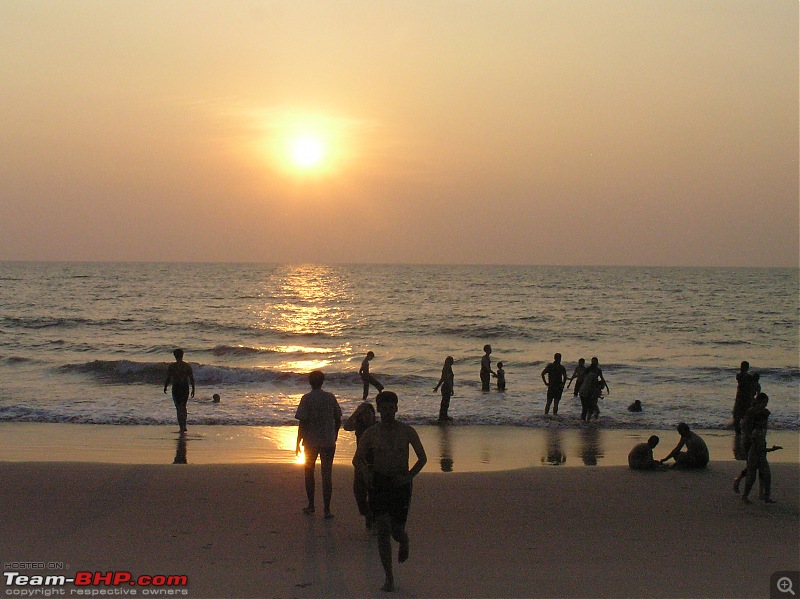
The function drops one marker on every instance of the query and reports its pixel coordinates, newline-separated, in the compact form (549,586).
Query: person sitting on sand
(359,421)
(181,376)
(366,377)
(636,406)
(382,457)
(696,454)
(446,382)
(641,456)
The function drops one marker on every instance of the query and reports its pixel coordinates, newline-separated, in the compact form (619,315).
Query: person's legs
(375,383)
(556,399)
(326,465)
(484,381)
(311,461)
(366,390)
(547,405)
(444,406)
(385,549)
(180,409)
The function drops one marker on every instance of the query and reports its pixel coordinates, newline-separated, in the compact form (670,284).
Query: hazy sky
(644,132)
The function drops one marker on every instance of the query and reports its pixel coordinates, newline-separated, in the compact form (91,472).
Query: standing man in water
(486,367)
(382,457)
(181,376)
(554,376)
(366,377)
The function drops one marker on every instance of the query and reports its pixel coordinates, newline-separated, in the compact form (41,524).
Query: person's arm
(604,383)
(545,371)
(422,459)
(675,451)
(439,384)
(169,378)
(191,378)
(300,436)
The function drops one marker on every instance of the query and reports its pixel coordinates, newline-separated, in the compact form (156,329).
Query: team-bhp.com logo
(96,583)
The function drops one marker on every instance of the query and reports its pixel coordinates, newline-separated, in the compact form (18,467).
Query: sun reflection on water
(309,300)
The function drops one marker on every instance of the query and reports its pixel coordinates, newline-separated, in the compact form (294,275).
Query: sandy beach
(237,530)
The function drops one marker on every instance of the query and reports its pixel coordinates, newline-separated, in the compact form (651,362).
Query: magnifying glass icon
(784,585)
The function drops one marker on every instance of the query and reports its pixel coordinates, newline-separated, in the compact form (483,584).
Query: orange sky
(643,132)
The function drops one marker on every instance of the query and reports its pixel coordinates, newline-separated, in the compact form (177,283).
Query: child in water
(501,377)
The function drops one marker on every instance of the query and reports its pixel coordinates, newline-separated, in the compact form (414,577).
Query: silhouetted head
(499,364)
(216,397)
(595,362)
(316,378)
(487,348)
(386,397)
(762,399)
(370,355)
(582,361)
(683,429)
(449,360)
(387,405)
(745,366)
(178,353)
(557,357)
(653,441)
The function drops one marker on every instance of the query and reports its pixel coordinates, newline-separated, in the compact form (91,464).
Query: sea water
(89,343)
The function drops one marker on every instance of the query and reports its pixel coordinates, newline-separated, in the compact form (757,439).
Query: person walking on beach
(320,418)
(578,373)
(446,382)
(180,375)
(359,421)
(382,456)
(745,393)
(754,424)
(366,377)
(696,454)
(641,456)
(486,367)
(554,376)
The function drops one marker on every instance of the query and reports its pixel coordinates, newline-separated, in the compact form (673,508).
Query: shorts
(180,394)
(387,498)
(554,392)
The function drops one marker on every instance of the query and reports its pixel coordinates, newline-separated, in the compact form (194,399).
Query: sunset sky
(632,132)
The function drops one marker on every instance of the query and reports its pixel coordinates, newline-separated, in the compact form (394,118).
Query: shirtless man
(181,376)
(696,454)
(382,457)
(366,377)
(554,376)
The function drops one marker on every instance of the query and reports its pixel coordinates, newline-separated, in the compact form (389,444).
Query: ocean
(89,343)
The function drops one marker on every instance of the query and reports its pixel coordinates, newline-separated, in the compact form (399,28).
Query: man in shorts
(382,456)
(366,377)
(320,419)
(554,376)
(181,376)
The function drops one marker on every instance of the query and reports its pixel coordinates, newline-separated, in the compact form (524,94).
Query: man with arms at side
(320,419)
(382,455)
(554,376)
(181,376)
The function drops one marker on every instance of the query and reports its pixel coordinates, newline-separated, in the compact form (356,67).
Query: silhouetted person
(446,382)
(696,454)
(180,375)
(554,376)
(501,377)
(591,390)
(486,368)
(577,376)
(359,421)
(754,425)
(745,393)
(641,456)
(320,418)
(636,406)
(383,455)
(366,377)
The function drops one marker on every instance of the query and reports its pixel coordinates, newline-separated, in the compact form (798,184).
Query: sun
(307,152)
